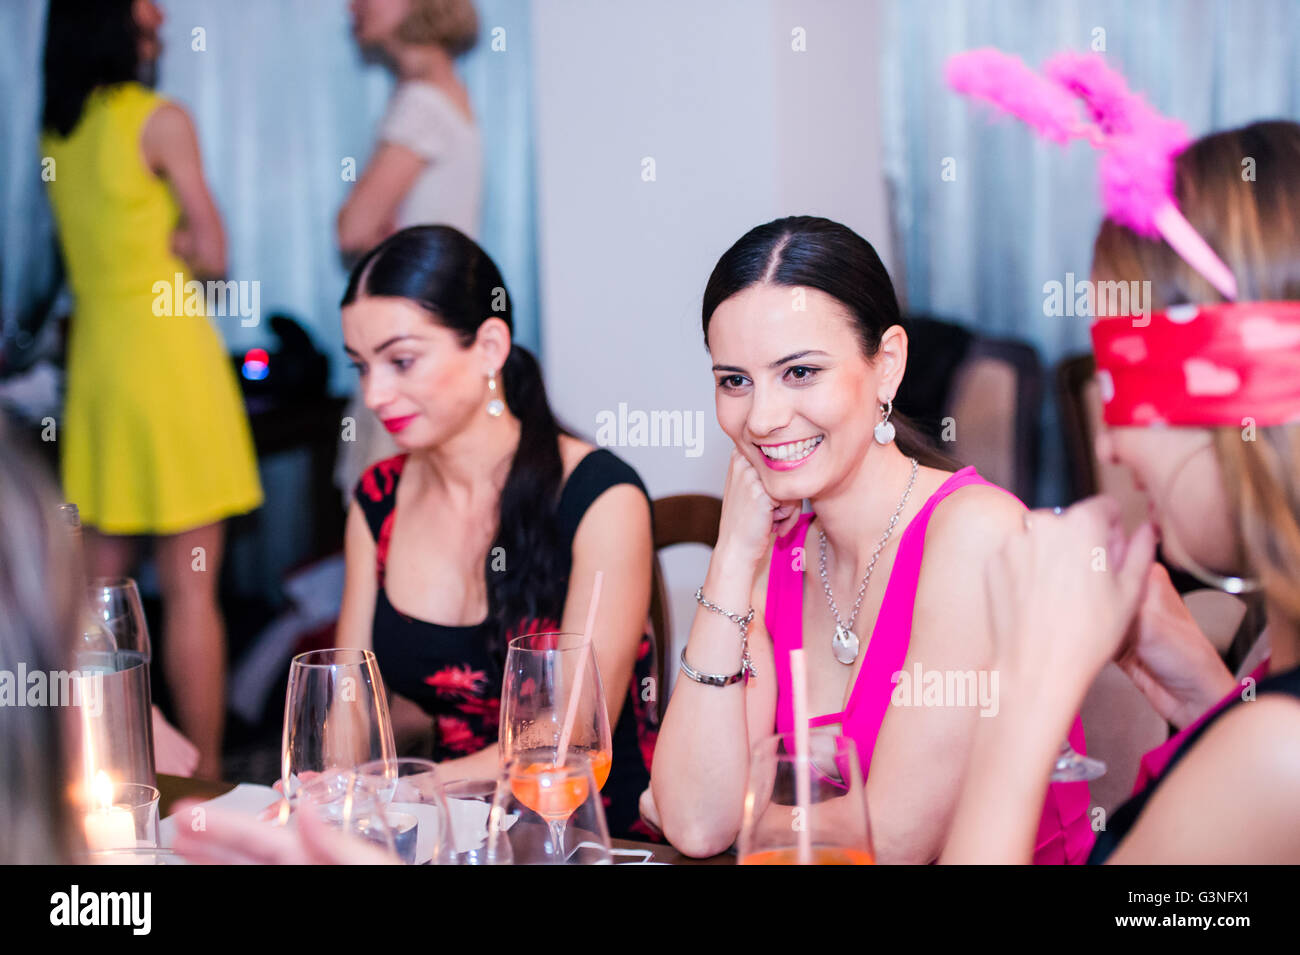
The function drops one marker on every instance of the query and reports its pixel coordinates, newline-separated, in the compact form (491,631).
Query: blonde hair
(450,24)
(1240,189)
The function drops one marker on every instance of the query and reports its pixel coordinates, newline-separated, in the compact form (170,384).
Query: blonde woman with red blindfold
(1202,403)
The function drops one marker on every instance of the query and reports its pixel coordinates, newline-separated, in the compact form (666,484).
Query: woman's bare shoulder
(572,451)
(977,518)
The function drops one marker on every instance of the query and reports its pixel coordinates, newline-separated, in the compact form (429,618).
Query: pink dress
(1064,832)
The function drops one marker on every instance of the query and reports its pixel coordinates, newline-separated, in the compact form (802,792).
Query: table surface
(171,789)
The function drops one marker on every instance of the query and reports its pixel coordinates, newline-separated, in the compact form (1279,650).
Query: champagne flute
(536,805)
(833,829)
(335,717)
(543,671)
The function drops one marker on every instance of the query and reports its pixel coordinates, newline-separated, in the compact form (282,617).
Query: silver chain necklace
(845,643)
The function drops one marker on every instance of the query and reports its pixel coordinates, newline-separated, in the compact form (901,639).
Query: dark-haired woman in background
(808,346)
(154,439)
(492,522)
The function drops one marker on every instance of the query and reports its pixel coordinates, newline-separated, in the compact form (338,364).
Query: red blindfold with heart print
(1229,365)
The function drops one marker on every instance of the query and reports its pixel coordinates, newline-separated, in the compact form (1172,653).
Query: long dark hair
(448,275)
(88,43)
(812,252)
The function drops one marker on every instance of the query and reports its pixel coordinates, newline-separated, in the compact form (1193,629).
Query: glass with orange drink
(832,828)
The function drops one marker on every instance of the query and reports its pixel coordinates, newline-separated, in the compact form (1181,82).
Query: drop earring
(885,429)
(495,406)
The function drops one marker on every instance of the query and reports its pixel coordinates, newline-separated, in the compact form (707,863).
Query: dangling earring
(885,429)
(495,406)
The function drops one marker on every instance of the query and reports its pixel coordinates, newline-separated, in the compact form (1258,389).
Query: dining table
(172,789)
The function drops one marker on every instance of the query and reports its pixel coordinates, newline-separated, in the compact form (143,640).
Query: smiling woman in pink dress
(809,349)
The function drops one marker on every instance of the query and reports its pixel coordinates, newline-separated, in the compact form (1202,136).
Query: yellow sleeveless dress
(154,438)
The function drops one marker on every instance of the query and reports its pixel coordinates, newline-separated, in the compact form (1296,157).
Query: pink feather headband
(1138,145)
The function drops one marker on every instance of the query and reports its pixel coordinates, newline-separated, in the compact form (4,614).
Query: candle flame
(102,791)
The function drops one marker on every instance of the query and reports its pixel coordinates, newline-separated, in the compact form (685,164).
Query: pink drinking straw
(575,692)
(803,796)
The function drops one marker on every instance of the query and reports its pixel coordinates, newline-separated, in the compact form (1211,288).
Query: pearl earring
(495,407)
(885,429)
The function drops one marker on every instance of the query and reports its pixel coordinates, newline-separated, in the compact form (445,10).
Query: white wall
(742,129)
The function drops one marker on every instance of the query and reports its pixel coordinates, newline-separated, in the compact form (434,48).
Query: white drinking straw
(803,796)
(575,692)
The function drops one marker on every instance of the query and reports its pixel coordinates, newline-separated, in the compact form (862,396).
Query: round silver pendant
(845,646)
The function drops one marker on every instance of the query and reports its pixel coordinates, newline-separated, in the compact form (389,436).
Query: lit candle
(108,826)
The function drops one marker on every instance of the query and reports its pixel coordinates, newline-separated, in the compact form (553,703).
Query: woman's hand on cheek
(749,515)
(1061,595)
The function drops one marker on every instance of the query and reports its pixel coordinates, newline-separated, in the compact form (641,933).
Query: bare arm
(1056,616)
(366,218)
(1232,799)
(614,537)
(171,149)
(701,766)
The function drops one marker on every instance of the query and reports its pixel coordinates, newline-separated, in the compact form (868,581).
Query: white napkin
(246,798)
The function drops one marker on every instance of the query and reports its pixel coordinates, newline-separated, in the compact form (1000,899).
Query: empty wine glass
(831,829)
(335,717)
(548,815)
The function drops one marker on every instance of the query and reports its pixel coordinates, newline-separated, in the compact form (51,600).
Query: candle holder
(121,816)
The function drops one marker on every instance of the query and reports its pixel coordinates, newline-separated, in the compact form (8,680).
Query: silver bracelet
(746,664)
(710,679)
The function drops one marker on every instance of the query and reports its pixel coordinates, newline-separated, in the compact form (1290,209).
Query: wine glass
(351,803)
(469,804)
(832,829)
(543,672)
(335,717)
(416,807)
(538,807)
(116,604)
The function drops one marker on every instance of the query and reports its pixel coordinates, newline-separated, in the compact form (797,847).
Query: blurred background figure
(154,440)
(427,166)
(37,621)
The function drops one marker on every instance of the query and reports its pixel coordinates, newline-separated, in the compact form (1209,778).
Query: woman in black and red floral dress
(492,523)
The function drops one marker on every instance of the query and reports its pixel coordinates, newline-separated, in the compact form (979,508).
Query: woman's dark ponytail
(533,586)
(448,275)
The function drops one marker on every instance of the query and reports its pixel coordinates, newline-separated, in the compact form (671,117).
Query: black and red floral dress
(451,674)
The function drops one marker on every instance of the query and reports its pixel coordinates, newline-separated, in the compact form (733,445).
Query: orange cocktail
(820,855)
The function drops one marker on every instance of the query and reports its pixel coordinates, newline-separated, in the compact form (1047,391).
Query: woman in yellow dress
(154,440)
